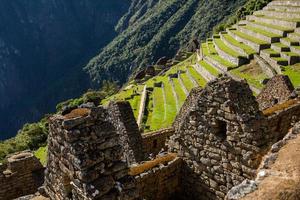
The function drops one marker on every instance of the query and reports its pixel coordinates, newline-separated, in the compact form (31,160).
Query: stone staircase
(272,33)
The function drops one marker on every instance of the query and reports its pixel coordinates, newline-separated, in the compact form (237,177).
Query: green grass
(158,115)
(200,80)
(170,107)
(279,18)
(179,91)
(271,52)
(253,75)
(209,68)
(41,154)
(225,48)
(294,73)
(280,45)
(217,58)
(261,31)
(186,81)
(281,28)
(248,50)
(248,37)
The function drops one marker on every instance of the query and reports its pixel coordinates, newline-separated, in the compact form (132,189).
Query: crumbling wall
(161,182)
(154,142)
(85,158)
(220,138)
(126,126)
(277,90)
(281,120)
(22,175)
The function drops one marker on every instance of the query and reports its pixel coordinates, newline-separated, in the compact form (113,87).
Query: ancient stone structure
(217,142)
(160,182)
(126,126)
(154,142)
(277,90)
(85,157)
(220,138)
(22,175)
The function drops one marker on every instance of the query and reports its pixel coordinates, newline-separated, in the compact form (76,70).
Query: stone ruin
(278,90)
(22,175)
(217,142)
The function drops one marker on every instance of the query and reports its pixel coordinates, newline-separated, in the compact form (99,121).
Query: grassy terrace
(186,81)
(280,45)
(261,31)
(200,80)
(278,18)
(158,115)
(252,73)
(248,37)
(234,42)
(170,107)
(214,55)
(226,49)
(281,28)
(291,41)
(179,91)
(294,73)
(272,52)
(209,68)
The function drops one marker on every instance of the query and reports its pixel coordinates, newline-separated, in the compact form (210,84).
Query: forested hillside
(152,29)
(43,48)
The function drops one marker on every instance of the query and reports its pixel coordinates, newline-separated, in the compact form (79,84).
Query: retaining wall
(22,175)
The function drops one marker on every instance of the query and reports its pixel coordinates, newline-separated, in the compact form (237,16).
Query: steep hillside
(43,47)
(152,29)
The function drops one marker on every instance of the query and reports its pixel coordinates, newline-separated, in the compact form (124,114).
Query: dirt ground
(283,181)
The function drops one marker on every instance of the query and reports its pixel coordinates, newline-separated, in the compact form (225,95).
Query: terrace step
(295,49)
(248,40)
(239,47)
(279,47)
(260,33)
(294,36)
(195,83)
(273,20)
(280,30)
(183,87)
(289,42)
(274,59)
(201,69)
(285,3)
(282,8)
(229,54)
(297,30)
(291,57)
(276,13)
(215,58)
(218,66)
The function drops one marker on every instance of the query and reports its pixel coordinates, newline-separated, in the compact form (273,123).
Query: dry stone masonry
(220,138)
(85,158)
(22,175)
(277,90)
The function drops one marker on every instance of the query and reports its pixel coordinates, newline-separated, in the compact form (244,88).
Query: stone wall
(281,121)
(220,136)
(85,157)
(277,90)
(22,175)
(127,128)
(161,182)
(154,142)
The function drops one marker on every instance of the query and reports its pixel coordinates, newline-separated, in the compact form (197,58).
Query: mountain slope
(160,30)
(43,47)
